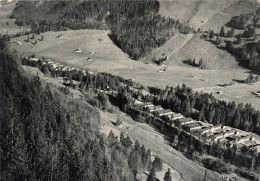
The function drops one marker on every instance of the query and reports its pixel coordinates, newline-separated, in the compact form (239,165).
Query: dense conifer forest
(47,135)
(135,26)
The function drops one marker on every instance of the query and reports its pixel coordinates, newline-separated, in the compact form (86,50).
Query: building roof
(177,116)
(147,104)
(249,143)
(164,111)
(205,128)
(231,131)
(218,135)
(183,120)
(34,59)
(155,108)
(193,125)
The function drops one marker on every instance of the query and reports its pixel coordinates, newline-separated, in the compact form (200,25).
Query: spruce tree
(239,39)
(167,176)
(211,34)
(222,32)
(151,176)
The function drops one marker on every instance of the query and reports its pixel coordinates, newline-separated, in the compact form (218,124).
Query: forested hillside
(135,26)
(46,135)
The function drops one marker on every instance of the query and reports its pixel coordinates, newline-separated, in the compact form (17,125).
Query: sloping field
(207,9)
(109,58)
(6,24)
(181,10)
(213,57)
(206,13)
(235,9)
(192,46)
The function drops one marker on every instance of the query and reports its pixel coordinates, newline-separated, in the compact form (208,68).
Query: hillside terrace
(224,135)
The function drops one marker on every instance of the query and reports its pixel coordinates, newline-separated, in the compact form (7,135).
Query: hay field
(109,58)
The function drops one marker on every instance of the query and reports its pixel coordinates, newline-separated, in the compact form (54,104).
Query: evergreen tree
(157,164)
(211,34)
(167,176)
(239,39)
(137,145)
(222,32)
(33,36)
(258,12)
(28,39)
(151,176)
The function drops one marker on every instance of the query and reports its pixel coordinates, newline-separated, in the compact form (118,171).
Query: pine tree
(239,39)
(157,164)
(28,39)
(211,34)
(122,138)
(137,146)
(151,176)
(222,32)
(258,12)
(217,40)
(133,162)
(167,176)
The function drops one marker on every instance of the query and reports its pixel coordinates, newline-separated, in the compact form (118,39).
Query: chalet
(229,132)
(192,126)
(249,143)
(216,137)
(164,112)
(34,59)
(214,128)
(138,102)
(223,140)
(245,138)
(154,108)
(175,116)
(184,121)
(147,104)
(205,130)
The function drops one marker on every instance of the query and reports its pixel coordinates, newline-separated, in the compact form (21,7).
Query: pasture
(109,58)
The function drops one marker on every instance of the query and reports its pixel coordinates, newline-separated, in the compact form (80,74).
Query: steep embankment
(206,15)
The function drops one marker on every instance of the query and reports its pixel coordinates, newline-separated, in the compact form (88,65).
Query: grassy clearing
(5,11)
(109,58)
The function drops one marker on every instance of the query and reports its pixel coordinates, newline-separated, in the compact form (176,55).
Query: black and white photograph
(129,90)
